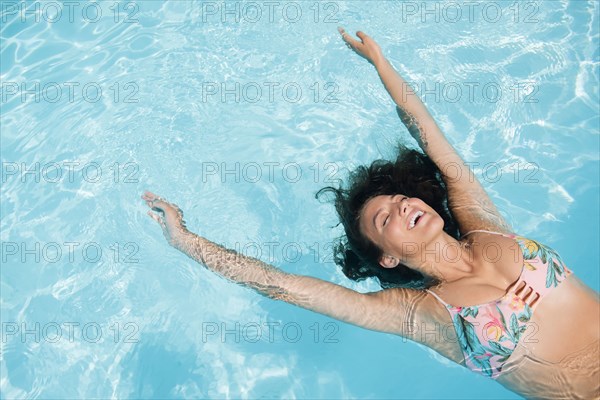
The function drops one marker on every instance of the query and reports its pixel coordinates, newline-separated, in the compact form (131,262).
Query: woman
(502,305)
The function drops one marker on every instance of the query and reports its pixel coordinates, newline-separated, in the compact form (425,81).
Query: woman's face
(401,226)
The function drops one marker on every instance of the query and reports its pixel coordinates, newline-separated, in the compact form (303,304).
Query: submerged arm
(468,200)
(364,310)
(384,311)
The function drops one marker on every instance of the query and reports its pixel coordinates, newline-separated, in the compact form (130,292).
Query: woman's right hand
(169,216)
(366,48)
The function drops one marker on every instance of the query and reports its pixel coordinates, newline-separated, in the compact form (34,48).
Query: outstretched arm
(468,200)
(385,311)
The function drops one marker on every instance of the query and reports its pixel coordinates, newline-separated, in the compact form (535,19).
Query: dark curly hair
(412,174)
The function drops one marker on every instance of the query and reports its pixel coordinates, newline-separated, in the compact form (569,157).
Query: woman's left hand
(366,47)
(169,216)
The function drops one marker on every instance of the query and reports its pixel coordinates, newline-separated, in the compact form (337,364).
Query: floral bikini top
(488,333)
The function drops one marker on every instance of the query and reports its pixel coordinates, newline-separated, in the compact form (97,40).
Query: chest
(499,263)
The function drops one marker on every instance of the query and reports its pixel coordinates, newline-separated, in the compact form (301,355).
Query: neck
(446,259)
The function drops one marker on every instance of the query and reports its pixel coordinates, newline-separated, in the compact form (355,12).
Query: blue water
(239,113)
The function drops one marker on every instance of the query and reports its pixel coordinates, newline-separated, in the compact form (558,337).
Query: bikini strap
(482,230)
(438,297)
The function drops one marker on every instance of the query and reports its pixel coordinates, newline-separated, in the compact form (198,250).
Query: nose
(404,206)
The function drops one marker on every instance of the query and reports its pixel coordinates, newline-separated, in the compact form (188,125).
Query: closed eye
(388,216)
(386,220)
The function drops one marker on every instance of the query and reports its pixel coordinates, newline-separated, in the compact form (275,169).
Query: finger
(152,203)
(157,212)
(157,219)
(160,203)
(362,36)
(148,195)
(347,38)
(156,209)
(154,199)
(149,198)
(153,216)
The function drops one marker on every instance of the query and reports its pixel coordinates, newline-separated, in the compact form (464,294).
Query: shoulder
(418,316)
(401,307)
(495,235)
(501,250)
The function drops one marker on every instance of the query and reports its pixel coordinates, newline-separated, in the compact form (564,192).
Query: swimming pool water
(239,112)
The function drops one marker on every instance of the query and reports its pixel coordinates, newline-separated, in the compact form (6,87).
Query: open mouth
(415,219)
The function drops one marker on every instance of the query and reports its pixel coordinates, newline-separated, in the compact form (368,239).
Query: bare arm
(468,200)
(386,311)
(370,310)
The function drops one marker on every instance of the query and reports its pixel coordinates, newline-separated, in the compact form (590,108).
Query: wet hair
(412,174)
